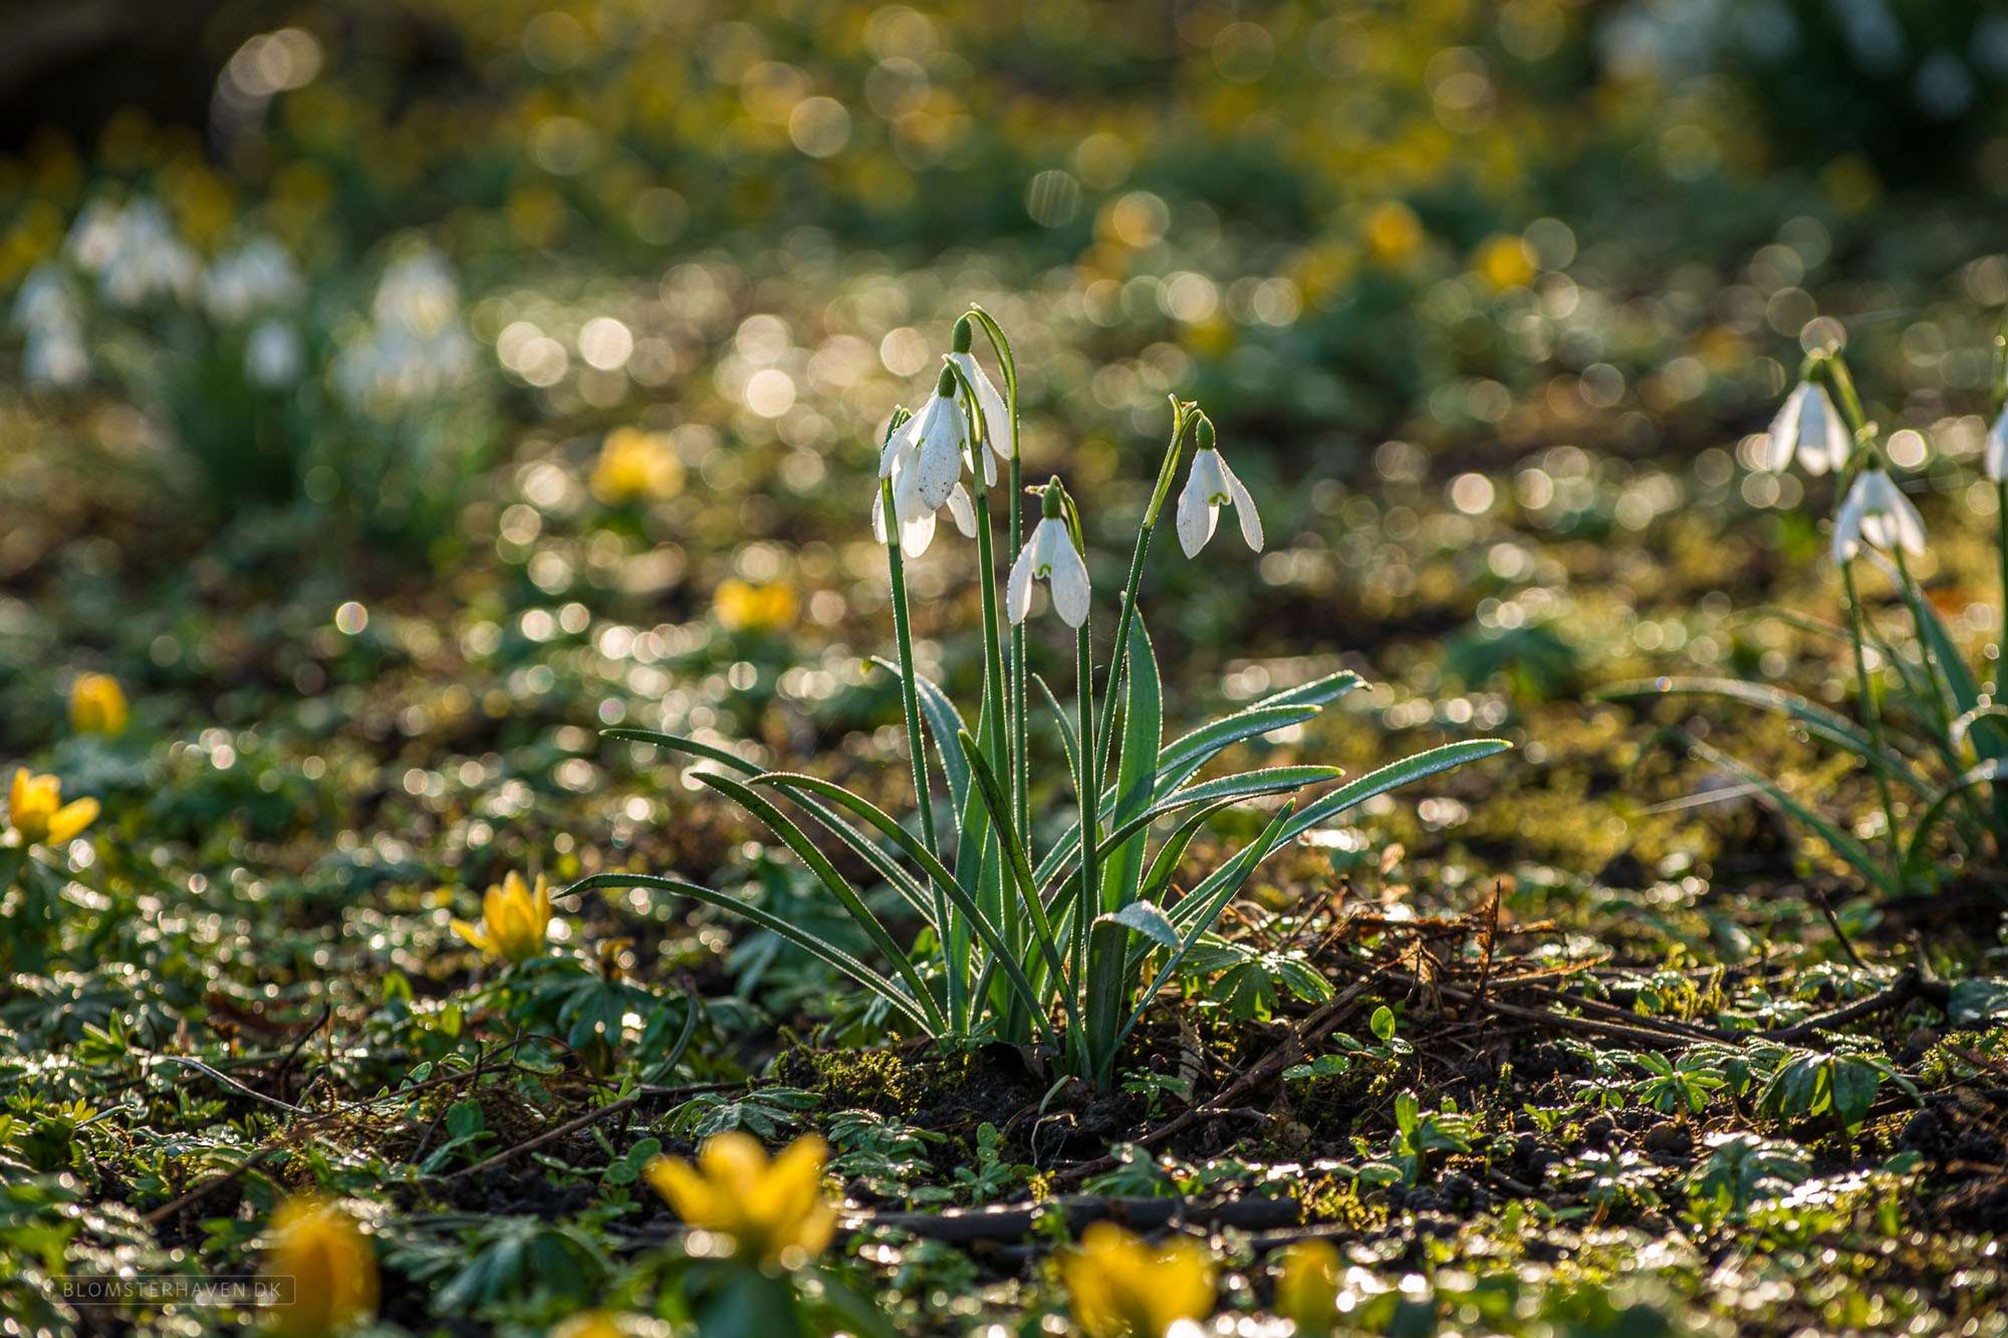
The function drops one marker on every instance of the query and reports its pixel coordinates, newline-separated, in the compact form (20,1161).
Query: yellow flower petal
(71,819)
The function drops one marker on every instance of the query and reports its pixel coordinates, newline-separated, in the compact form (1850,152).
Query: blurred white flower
(1996,459)
(53,352)
(272,354)
(416,348)
(134,252)
(1809,426)
(55,356)
(1050,556)
(1877,513)
(1210,486)
(258,276)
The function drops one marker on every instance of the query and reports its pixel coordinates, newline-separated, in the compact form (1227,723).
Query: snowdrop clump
(1038,913)
(1931,737)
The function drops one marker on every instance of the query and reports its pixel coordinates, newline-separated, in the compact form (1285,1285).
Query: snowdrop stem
(2001,631)
(902,627)
(1871,713)
(1021,775)
(1088,906)
(1845,394)
(1185,417)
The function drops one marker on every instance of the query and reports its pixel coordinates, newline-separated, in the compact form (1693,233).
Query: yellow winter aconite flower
(774,1211)
(1123,1287)
(98,705)
(36,810)
(326,1263)
(1307,1286)
(1393,233)
(597,1324)
(514,920)
(743,606)
(1504,262)
(636,466)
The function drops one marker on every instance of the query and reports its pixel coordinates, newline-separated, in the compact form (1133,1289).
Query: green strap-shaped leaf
(1245,785)
(877,817)
(827,952)
(1917,853)
(1136,768)
(1847,847)
(997,809)
(678,743)
(1202,909)
(1326,807)
(944,722)
(834,882)
(1819,721)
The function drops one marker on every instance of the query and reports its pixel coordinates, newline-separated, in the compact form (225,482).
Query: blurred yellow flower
(1504,261)
(98,705)
(514,920)
(1123,1287)
(596,1324)
(1307,1286)
(744,606)
(1393,233)
(36,810)
(636,466)
(774,1211)
(331,1268)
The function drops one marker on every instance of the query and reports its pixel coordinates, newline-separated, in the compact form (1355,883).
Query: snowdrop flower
(990,411)
(272,354)
(1210,486)
(1997,449)
(256,277)
(137,255)
(916,520)
(1810,426)
(1878,513)
(928,451)
(1050,556)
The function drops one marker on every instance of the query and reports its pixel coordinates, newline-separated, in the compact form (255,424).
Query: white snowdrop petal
(1997,449)
(1018,591)
(878,514)
(1069,583)
(963,511)
(1244,509)
(1823,437)
(917,534)
(1784,439)
(1196,516)
(939,458)
(897,447)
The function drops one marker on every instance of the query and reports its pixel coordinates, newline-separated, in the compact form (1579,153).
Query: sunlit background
(445,375)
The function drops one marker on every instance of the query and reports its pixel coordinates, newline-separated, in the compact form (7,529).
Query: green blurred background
(325,303)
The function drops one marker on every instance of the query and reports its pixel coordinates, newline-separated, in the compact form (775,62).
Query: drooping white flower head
(931,447)
(1996,459)
(899,463)
(1809,426)
(1210,486)
(993,417)
(1877,513)
(1050,556)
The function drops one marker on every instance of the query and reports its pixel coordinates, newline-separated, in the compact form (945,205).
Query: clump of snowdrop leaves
(1210,486)
(1946,738)
(1046,912)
